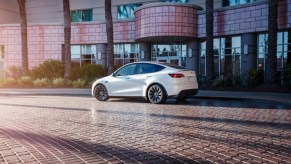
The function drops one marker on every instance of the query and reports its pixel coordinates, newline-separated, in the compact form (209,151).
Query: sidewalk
(280,97)
(48,91)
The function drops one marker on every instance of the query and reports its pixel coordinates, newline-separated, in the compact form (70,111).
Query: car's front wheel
(101,93)
(156,94)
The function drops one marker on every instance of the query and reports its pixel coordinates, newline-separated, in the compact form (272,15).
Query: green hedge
(49,69)
(87,72)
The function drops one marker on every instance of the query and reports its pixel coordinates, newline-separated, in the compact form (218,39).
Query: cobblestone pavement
(62,129)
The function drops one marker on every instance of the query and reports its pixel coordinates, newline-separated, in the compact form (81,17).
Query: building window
(235,2)
(127,11)
(227,54)
(177,1)
(126,53)
(283,50)
(82,15)
(83,54)
(170,53)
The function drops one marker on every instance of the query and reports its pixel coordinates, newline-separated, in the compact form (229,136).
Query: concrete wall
(9,12)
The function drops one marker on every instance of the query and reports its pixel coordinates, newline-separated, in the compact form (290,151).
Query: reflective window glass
(177,1)
(235,2)
(126,53)
(82,15)
(282,50)
(127,70)
(170,53)
(127,11)
(226,52)
(83,54)
(145,68)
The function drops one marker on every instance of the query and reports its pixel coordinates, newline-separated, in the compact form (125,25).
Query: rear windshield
(173,66)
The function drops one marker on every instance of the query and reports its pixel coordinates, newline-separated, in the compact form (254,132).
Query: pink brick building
(172,31)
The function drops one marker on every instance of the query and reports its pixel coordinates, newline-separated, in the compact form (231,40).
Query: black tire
(156,94)
(101,93)
(181,98)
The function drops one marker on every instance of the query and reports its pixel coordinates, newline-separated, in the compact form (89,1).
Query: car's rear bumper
(183,93)
(188,92)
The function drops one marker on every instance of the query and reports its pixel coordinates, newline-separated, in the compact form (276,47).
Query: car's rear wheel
(101,93)
(156,94)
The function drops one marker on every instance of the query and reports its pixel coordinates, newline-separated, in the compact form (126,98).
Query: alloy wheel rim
(155,94)
(101,93)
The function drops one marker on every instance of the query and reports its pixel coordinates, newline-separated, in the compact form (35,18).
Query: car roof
(160,63)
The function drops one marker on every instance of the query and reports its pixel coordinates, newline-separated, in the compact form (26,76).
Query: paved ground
(279,97)
(73,129)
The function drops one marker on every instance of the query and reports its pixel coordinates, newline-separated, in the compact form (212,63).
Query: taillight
(176,75)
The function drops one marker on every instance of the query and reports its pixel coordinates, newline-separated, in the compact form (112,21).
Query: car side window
(127,70)
(144,68)
(147,68)
(158,68)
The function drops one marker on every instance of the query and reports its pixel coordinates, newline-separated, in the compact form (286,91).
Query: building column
(101,57)
(145,51)
(249,52)
(192,60)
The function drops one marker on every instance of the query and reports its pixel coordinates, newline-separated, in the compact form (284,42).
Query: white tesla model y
(151,80)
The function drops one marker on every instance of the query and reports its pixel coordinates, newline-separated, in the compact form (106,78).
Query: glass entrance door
(176,61)
(169,53)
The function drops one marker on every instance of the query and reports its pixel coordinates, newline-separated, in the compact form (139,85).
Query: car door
(123,82)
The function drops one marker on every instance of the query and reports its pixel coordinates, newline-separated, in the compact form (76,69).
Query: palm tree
(67,38)
(210,74)
(23,26)
(271,60)
(109,32)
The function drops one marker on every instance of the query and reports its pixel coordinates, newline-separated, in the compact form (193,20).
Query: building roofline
(168,4)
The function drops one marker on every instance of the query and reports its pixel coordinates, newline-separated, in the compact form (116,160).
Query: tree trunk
(271,60)
(67,38)
(23,26)
(210,74)
(109,32)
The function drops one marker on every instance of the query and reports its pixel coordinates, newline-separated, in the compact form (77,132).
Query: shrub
(254,78)
(238,82)
(59,82)
(201,79)
(8,82)
(25,81)
(117,66)
(220,82)
(49,69)
(44,82)
(87,72)
(79,83)
(14,72)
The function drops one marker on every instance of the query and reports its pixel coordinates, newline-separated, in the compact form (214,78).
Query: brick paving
(63,129)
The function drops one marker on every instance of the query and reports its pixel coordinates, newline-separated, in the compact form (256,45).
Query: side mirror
(114,74)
